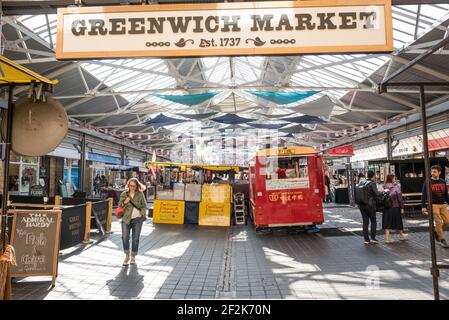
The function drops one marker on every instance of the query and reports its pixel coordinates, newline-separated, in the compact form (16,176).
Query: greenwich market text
(224,23)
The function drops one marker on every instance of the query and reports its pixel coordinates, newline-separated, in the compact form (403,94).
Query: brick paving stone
(333,264)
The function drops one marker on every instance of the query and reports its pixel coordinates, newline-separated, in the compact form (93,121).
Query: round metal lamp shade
(38,127)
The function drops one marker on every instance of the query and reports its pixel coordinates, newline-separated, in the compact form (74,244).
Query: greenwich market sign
(249,28)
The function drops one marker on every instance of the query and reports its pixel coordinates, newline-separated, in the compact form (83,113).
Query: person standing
(134,204)
(327,183)
(440,200)
(392,217)
(368,210)
(97,182)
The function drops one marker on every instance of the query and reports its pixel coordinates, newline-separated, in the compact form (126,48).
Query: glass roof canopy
(136,80)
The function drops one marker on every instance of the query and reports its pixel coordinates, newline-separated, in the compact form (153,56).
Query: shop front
(23,173)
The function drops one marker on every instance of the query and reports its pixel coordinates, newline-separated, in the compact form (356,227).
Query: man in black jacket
(369,211)
(440,200)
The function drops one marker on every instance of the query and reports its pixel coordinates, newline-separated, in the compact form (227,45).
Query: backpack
(362,193)
(384,202)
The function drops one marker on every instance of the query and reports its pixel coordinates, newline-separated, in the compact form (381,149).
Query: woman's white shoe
(126,261)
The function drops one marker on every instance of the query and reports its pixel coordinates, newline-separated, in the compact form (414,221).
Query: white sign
(286,27)
(283,184)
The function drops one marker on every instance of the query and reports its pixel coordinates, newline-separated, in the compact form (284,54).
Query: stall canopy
(161,120)
(295,129)
(13,73)
(188,99)
(269,126)
(197,116)
(305,120)
(283,97)
(231,119)
(184,166)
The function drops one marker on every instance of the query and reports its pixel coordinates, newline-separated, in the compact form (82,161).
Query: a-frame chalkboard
(35,238)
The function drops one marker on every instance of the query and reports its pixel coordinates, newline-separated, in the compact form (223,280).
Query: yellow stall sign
(215,214)
(168,211)
(218,193)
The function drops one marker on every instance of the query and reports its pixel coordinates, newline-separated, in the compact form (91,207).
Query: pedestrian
(368,208)
(361,177)
(440,200)
(135,205)
(327,182)
(392,216)
(97,182)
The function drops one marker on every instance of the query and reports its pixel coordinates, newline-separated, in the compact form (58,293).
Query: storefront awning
(13,73)
(439,140)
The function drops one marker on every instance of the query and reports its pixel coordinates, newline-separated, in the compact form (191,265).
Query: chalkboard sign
(100,211)
(35,238)
(37,191)
(73,226)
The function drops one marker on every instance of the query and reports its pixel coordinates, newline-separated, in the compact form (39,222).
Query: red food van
(286,188)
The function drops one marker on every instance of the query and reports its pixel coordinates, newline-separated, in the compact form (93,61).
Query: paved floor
(191,262)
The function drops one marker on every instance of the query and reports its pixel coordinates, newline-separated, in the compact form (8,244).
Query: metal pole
(389,147)
(7,141)
(83,162)
(434,270)
(122,160)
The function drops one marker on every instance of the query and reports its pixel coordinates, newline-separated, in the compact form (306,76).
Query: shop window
(24,172)
(286,168)
(71,173)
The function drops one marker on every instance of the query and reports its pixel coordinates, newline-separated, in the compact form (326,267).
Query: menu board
(215,214)
(218,193)
(73,226)
(169,212)
(35,238)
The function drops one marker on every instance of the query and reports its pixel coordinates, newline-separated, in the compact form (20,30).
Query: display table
(341,195)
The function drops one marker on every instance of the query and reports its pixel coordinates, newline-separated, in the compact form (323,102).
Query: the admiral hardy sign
(249,28)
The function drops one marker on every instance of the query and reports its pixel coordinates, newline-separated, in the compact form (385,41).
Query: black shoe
(436,236)
(444,243)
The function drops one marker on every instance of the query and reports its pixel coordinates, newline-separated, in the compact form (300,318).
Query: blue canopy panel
(231,118)
(305,120)
(269,126)
(295,129)
(283,97)
(195,116)
(162,121)
(188,99)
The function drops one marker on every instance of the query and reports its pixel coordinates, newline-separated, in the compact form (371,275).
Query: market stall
(192,193)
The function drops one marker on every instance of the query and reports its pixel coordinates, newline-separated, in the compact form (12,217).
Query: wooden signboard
(168,211)
(225,29)
(35,238)
(215,214)
(100,211)
(73,226)
(218,193)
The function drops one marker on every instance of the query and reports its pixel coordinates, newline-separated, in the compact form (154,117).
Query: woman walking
(134,204)
(392,217)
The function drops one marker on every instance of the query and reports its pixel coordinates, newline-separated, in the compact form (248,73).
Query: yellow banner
(215,214)
(169,212)
(218,193)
